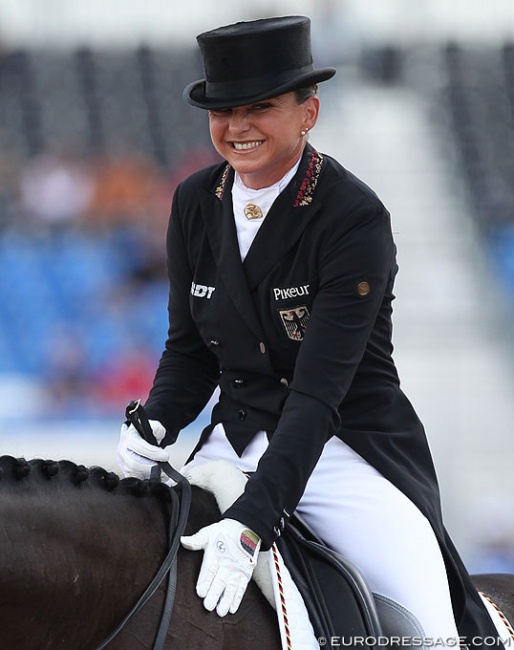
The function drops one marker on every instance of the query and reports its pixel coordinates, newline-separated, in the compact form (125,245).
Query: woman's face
(262,141)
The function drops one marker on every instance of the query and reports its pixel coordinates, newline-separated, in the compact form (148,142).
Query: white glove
(230,556)
(136,457)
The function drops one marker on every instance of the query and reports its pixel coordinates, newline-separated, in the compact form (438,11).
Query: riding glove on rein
(136,457)
(230,556)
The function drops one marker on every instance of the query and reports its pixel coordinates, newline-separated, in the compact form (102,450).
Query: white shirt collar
(264,198)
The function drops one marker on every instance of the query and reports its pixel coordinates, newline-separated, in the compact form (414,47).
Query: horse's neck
(68,553)
(75,561)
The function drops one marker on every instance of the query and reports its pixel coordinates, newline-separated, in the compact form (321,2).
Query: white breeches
(365,518)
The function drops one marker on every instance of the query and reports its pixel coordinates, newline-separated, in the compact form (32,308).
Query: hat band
(223,90)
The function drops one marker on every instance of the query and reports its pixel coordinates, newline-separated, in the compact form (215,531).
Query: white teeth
(247,145)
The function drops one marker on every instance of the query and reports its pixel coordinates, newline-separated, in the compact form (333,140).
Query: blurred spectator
(127,184)
(144,252)
(196,158)
(124,377)
(145,240)
(67,385)
(56,189)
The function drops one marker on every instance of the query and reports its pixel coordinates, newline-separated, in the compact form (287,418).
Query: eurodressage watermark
(412,642)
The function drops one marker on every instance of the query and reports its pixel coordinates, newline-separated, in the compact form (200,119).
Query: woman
(281,270)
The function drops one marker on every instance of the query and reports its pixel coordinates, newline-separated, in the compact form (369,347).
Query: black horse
(79,546)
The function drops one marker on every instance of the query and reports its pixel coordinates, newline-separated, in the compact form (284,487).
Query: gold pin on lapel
(252,211)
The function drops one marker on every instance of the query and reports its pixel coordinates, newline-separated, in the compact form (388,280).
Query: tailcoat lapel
(219,223)
(287,219)
(284,224)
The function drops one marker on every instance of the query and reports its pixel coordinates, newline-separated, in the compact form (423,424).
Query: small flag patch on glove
(249,541)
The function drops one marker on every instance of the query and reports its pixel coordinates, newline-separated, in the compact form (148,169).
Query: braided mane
(17,471)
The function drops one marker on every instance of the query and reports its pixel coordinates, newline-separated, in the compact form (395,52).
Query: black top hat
(255,60)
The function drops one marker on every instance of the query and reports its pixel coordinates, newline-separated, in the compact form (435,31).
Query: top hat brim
(196,93)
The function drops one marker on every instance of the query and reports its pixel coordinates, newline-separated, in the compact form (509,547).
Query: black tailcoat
(298,337)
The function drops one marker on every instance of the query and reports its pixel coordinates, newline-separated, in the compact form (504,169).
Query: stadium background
(94,136)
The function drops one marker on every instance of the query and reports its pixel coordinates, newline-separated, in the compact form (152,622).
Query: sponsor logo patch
(201,290)
(295,321)
(291,292)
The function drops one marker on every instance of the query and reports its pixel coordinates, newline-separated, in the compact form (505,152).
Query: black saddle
(339,602)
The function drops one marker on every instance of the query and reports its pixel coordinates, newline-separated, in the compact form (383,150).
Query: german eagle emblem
(295,321)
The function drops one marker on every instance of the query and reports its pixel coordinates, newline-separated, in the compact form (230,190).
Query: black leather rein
(180,496)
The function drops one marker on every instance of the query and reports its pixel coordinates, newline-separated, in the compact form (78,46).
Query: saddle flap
(337,599)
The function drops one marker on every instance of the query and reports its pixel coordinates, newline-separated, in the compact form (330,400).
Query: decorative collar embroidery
(220,190)
(314,163)
(308,185)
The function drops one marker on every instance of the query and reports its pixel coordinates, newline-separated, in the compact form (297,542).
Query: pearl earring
(304,131)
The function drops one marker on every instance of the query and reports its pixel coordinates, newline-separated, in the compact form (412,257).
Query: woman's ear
(311,112)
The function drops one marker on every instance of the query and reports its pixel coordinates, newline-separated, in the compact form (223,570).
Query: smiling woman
(262,141)
(281,270)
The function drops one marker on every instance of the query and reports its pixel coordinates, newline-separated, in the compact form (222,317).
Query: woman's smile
(247,146)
